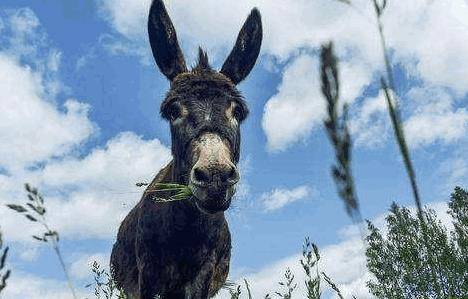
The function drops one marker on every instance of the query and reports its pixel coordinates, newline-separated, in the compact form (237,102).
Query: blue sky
(80,119)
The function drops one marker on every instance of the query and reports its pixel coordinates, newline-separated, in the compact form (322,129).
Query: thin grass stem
(394,111)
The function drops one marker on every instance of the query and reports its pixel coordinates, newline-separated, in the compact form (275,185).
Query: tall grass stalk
(388,86)
(4,274)
(310,265)
(309,262)
(235,290)
(288,284)
(338,132)
(35,211)
(332,285)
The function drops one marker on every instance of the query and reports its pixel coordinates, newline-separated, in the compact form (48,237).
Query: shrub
(400,261)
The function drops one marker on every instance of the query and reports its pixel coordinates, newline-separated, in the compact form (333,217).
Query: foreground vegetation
(396,257)
(399,260)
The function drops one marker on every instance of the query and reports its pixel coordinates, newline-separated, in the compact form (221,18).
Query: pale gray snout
(213,175)
(218,175)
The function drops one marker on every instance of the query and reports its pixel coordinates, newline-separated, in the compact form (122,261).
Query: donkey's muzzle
(222,176)
(213,175)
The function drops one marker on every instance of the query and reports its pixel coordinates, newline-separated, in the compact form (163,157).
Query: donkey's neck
(168,174)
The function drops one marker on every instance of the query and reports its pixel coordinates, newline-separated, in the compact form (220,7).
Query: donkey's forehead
(204,84)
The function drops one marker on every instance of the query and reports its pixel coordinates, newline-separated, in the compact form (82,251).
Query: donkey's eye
(238,113)
(175,111)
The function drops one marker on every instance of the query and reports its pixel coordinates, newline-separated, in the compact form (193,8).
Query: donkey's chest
(187,257)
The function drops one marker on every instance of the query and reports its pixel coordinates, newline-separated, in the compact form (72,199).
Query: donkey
(182,249)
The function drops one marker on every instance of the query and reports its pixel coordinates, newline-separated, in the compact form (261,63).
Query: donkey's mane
(203,63)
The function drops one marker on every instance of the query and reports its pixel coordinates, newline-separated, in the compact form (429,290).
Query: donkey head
(204,109)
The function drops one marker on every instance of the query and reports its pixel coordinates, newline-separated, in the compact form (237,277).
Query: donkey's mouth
(211,200)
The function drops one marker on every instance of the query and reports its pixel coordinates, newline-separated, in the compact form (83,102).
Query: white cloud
(435,118)
(290,115)
(24,285)
(454,169)
(299,107)
(126,16)
(369,125)
(89,196)
(344,262)
(103,185)
(33,127)
(433,115)
(86,196)
(80,269)
(278,198)
(435,38)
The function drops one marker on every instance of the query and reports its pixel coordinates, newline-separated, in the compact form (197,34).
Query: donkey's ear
(163,40)
(242,58)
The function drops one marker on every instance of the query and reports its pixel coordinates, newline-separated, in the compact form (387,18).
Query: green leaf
(3,258)
(38,209)
(30,218)
(40,239)
(17,208)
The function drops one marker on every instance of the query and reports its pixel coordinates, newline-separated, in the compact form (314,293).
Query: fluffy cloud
(435,39)
(102,185)
(296,108)
(433,114)
(344,262)
(81,267)
(24,285)
(126,16)
(435,117)
(86,196)
(33,127)
(278,198)
(455,168)
(369,125)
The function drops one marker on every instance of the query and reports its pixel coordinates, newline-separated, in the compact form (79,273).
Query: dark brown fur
(178,249)
(186,258)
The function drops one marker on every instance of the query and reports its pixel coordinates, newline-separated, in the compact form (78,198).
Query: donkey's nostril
(201,175)
(231,175)
(223,175)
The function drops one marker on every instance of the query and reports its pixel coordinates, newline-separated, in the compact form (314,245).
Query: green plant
(309,262)
(236,290)
(338,132)
(288,283)
(104,285)
(458,209)
(4,274)
(404,266)
(35,211)
(177,191)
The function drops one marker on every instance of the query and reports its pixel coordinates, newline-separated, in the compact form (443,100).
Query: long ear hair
(164,43)
(245,52)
